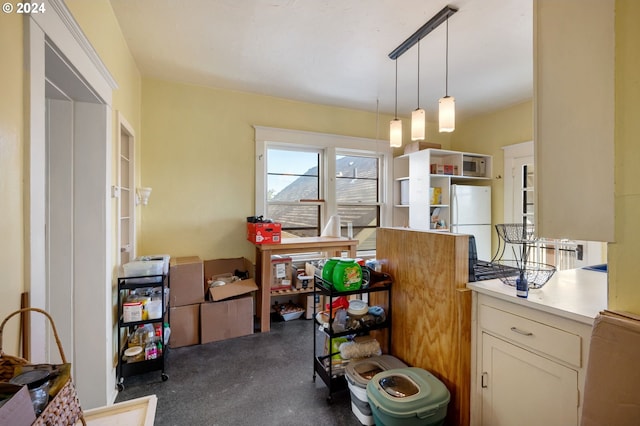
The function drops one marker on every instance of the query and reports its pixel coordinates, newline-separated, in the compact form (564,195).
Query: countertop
(575,294)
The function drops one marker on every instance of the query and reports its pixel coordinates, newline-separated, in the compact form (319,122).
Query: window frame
(321,186)
(330,146)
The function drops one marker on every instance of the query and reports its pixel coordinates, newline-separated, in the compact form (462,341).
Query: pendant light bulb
(395,126)
(418,125)
(447,114)
(395,133)
(447,104)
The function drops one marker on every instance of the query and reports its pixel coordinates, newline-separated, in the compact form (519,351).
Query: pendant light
(447,104)
(395,126)
(418,115)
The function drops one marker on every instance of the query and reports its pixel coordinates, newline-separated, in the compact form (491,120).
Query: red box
(264,233)
(448,169)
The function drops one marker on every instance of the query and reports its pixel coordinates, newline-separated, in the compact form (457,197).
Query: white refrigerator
(471,214)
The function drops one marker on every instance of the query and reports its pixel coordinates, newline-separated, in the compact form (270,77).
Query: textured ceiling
(335,52)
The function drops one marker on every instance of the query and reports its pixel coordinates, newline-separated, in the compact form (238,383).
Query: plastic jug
(347,275)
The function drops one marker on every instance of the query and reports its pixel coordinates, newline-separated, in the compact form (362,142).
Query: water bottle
(522,287)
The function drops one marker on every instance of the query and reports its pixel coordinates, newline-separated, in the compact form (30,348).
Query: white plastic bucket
(154,309)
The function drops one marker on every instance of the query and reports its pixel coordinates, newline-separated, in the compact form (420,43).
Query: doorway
(67,172)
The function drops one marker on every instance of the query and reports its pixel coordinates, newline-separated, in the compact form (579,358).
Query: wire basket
(516,233)
(536,274)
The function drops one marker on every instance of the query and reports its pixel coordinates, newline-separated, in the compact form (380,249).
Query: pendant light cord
(396,110)
(446,62)
(418,74)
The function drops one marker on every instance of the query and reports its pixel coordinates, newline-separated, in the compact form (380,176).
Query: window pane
(296,220)
(356,179)
(356,190)
(292,175)
(364,220)
(292,188)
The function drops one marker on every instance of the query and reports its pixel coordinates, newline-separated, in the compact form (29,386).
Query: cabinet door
(522,388)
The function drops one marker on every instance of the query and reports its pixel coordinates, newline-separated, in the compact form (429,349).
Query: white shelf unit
(416,167)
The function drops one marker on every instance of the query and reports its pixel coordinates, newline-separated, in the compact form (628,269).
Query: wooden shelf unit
(331,246)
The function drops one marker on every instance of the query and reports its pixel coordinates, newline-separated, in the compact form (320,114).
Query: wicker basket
(516,233)
(536,274)
(63,407)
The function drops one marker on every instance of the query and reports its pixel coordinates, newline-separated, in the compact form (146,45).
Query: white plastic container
(165,258)
(132,311)
(142,270)
(154,309)
(358,374)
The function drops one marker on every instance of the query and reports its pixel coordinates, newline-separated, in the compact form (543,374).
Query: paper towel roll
(333,227)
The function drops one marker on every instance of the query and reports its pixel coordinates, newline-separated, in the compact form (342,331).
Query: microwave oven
(474,166)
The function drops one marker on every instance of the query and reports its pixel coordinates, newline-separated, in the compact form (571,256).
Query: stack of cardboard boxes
(200,314)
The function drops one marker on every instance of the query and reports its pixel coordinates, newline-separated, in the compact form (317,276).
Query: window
(294,190)
(304,178)
(358,197)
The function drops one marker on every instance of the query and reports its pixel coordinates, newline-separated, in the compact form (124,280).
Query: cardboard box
(318,301)
(612,388)
(419,146)
(185,325)
(226,319)
(186,281)
(18,410)
(234,289)
(234,266)
(303,281)
(264,233)
(448,169)
(436,169)
(281,272)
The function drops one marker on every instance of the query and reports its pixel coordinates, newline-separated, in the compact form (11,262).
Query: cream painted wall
(488,134)
(11,175)
(99,23)
(624,273)
(198,156)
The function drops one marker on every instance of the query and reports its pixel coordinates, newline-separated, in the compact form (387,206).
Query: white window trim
(331,144)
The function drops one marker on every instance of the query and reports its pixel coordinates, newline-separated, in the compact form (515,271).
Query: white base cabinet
(520,387)
(529,365)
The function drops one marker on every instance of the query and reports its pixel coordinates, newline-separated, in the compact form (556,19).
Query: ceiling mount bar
(429,26)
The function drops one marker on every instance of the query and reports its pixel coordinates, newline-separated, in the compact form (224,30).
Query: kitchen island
(529,355)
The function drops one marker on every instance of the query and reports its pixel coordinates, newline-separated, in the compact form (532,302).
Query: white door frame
(92,275)
(124,128)
(512,154)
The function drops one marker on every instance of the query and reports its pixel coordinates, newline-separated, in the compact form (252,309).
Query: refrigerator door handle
(454,193)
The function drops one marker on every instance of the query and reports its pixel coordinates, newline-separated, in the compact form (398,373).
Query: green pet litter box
(407,397)
(358,374)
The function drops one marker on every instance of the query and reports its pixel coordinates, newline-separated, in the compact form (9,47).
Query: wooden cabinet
(427,176)
(431,307)
(530,365)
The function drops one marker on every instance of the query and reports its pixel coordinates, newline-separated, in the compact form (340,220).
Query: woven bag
(64,407)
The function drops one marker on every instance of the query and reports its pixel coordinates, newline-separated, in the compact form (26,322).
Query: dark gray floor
(261,379)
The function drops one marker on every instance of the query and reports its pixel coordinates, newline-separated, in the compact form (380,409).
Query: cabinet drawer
(553,341)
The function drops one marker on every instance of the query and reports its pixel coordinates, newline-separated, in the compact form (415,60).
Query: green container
(407,397)
(327,269)
(347,275)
